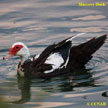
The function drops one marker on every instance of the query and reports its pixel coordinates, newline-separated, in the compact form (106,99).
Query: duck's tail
(81,54)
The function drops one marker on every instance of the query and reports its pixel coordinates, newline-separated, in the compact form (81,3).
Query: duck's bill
(7,57)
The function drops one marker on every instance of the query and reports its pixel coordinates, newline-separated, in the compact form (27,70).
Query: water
(39,23)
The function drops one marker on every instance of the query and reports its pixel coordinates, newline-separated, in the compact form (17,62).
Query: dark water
(39,23)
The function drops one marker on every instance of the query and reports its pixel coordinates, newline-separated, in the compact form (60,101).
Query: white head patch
(24,51)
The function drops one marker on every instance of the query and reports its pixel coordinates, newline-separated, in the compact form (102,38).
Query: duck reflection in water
(24,85)
(67,82)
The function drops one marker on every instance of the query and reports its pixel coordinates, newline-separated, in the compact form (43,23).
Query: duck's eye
(17,47)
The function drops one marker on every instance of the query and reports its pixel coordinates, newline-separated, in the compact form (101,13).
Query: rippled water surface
(39,23)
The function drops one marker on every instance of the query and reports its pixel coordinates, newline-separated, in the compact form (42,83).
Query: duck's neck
(23,58)
(20,69)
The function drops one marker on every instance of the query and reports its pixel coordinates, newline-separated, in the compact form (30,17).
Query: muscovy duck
(56,59)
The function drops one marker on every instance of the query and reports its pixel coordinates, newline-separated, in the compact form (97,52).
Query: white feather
(70,39)
(65,63)
(37,56)
(55,60)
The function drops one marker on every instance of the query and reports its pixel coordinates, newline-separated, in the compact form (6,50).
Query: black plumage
(78,56)
(81,54)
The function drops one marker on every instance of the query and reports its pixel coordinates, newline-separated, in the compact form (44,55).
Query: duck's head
(18,49)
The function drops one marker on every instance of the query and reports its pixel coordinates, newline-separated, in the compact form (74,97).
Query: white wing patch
(55,60)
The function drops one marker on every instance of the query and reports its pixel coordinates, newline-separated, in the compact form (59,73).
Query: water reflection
(64,83)
(24,86)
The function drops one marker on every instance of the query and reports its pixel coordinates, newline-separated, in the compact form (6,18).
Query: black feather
(81,54)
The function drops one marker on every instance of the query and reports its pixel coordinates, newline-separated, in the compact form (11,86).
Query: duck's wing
(81,54)
(55,47)
(54,57)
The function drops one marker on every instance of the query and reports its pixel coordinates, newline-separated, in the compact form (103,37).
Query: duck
(57,59)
